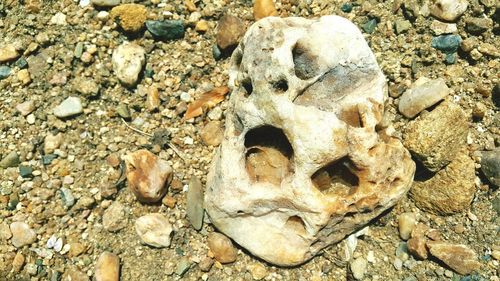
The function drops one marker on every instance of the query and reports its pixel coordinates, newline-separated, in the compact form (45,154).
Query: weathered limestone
(301,165)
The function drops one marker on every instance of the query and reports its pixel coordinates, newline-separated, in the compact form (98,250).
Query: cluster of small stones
(76,103)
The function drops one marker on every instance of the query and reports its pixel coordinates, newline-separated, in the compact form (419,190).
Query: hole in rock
(281,86)
(421,172)
(305,62)
(351,116)
(247,85)
(296,224)
(268,155)
(336,178)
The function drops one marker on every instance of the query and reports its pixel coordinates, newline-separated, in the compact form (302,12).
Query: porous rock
(300,149)
(460,258)
(128,60)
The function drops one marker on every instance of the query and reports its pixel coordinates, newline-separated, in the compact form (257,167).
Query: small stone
(113,160)
(201,26)
(26,107)
(4,72)
(25,171)
(194,205)
(490,166)
(258,270)
(398,264)
(406,223)
(31,119)
(448,10)
(22,234)
(5,233)
(358,268)
(430,138)
(460,258)
(153,99)
(212,133)
(440,28)
(154,230)
(416,247)
(48,158)
(478,26)
(402,26)
(216,52)
(230,29)
(76,249)
(447,44)
(103,16)
(8,53)
(130,17)
(69,107)
(369,26)
(222,248)
(346,7)
(18,262)
(264,8)
(182,266)
(169,201)
(123,111)
(58,19)
(190,6)
(106,3)
(166,30)
(450,190)
(423,94)
(489,50)
(72,274)
(114,217)
(24,76)
(128,60)
(107,267)
(86,86)
(206,264)
(10,160)
(67,197)
(52,142)
(402,251)
(479,110)
(148,176)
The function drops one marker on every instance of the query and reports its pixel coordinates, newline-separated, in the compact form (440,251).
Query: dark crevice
(336,178)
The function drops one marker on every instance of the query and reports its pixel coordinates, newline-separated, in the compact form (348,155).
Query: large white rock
(128,60)
(301,165)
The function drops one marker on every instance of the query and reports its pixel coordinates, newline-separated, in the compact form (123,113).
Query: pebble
(30,119)
(264,8)
(402,26)
(222,248)
(69,107)
(166,30)
(25,171)
(58,19)
(460,258)
(423,94)
(398,264)
(153,99)
(26,107)
(417,247)
(406,223)
(194,205)
(52,142)
(358,268)
(182,266)
(107,267)
(8,53)
(23,75)
(369,26)
(212,133)
(447,44)
(346,7)
(128,60)
(490,166)
(206,264)
(130,17)
(67,197)
(123,111)
(201,26)
(230,29)
(106,3)
(86,86)
(257,270)
(147,175)
(114,217)
(18,262)
(4,72)
(440,28)
(5,233)
(154,230)
(448,10)
(402,251)
(478,26)
(22,234)
(10,160)
(103,16)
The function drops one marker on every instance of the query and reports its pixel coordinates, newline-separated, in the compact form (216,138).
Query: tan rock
(18,262)
(201,26)
(430,139)
(448,10)
(264,8)
(406,223)
(450,190)
(76,249)
(114,217)
(107,267)
(24,76)
(154,230)
(128,60)
(230,29)
(73,274)
(153,99)
(52,142)
(169,201)
(422,94)
(212,133)
(8,53)
(22,234)
(460,258)
(439,27)
(416,247)
(26,107)
(130,17)
(206,264)
(222,248)
(258,270)
(148,176)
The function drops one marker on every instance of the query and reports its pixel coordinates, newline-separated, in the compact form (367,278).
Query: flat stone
(123,111)
(447,44)
(58,19)
(166,30)
(22,234)
(69,107)
(4,72)
(8,53)
(183,266)
(222,248)
(440,28)
(106,3)
(417,247)
(67,197)
(257,270)
(25,171)
(5,233)
(148,176)
(230,29)
(154,230)
(10,160)
(448,10)
(26,107)
(194,205)
(423,94)
(107,267)
(128,60)
(402,26)
(369,26)
(52,142)
(114,217)
(153,99)
(406,223)
(212,133)
(460,258)
(437,137)
(450,190)
(490,165)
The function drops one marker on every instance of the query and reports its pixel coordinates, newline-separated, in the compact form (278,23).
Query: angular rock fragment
(22,234)
(448,10)
(490,165)
(114,217)
(230,29)
(301,165)
(264,8)
(128,60)
(154,230)
(423,94)
(194,204)
(460,258)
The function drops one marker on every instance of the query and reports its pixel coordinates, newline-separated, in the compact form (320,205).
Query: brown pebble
(416,247)
(222,248)
(169,201)
(190,6)
(107,267)
(434,235)
(176,185)
(113,160)
(212,133)
(460,258)
(479,110)
(153,99)
(264,8)
(230,29)
(201,26)
(206,264)
(130,17)
(76,249)
(18,262)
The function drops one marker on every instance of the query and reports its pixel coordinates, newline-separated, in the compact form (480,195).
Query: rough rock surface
(460,258)
(154,230)
(490,165)
(147,175)
(423,94)
(448,10)
(128,60)
(437,137)
(300,149)
(450,190)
